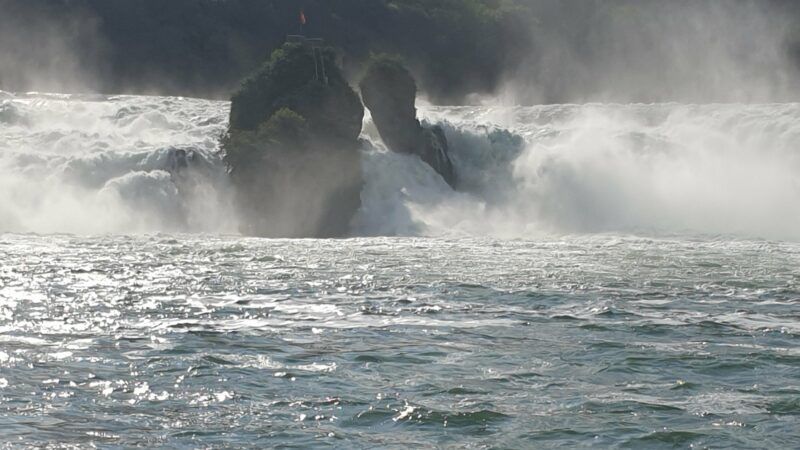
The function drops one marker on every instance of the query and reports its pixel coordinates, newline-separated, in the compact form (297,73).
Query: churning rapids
(607,275)
(89,165)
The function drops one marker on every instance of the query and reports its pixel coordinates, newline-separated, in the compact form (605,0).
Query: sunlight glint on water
(601,340)
(646,297)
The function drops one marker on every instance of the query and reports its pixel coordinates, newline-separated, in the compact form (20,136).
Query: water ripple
(195,341)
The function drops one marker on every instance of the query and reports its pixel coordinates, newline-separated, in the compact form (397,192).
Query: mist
(48,50)
(713,154)
(666,169)
(91,164)
(531,52)
(654,51)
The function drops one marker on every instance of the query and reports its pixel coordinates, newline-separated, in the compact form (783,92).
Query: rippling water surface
(194,341)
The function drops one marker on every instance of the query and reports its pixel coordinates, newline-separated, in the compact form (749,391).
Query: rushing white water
(93,164)
(592,338)
(107,164)
(665,168)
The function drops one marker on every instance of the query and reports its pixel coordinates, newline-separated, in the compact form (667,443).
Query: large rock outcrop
(390,92)
(292,148)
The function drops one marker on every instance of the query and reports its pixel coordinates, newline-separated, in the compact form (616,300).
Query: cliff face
(292,147)
(389,91)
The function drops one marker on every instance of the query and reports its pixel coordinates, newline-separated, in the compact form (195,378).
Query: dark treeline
(533,50)
(205,47)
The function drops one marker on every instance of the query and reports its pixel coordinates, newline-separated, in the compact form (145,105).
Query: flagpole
(302,22)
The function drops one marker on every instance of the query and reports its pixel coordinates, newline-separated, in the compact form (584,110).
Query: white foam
(99,164)
(93,164)
(630,168)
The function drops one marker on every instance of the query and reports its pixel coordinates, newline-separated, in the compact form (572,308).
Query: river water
(609,276)
(194,341)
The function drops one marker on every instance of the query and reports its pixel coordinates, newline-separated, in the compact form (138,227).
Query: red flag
(302,17)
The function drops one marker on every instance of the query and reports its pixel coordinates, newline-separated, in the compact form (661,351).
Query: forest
(561,50)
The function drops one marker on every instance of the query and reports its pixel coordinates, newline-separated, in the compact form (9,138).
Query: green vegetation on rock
(292,147)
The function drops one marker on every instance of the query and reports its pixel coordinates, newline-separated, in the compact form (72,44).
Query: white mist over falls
(618,267)
(97,164)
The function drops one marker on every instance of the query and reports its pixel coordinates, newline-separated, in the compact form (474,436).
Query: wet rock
(389,91)
(292,148)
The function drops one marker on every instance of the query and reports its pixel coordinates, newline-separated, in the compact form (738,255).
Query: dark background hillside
(522,50)
(204,47)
